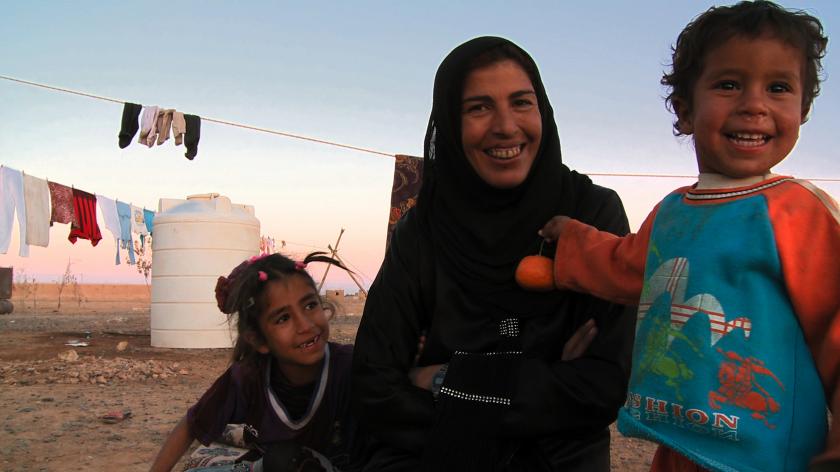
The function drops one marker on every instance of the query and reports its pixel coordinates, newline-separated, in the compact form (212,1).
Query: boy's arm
(600,263)
(807,231)
(574,396)
(176,445)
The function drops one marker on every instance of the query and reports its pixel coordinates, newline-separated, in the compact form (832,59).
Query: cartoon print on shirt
(737,376)
(657,359)
(672,277)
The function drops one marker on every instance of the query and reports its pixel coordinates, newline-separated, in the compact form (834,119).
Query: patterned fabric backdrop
(408,177)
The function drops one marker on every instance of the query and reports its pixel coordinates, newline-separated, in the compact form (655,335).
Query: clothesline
(673,176)
(39,203)
(204,118)
(345,146)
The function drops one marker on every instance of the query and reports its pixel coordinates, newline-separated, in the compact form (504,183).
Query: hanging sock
(36,195)
(192,136)
(179,127)
(129,125)
(11,192)
(61,200)
(84,205)
(164,123)
(124,214)
(112,220)
(148,125)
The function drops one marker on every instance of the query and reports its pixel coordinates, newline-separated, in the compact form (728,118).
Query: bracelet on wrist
(437,380)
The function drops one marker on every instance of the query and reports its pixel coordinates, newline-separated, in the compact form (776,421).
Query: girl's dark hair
(239,294)
(750,19)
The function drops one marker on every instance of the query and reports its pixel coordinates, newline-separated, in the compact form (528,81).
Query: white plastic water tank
(195,241)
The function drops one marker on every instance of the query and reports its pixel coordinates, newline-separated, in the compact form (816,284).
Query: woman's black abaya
(509,402)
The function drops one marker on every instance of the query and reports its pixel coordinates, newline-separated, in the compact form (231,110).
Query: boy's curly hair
(751,19)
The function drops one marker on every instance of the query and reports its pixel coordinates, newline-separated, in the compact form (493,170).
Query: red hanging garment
(85,226)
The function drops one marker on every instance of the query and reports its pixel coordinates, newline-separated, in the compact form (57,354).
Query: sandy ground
(52,394)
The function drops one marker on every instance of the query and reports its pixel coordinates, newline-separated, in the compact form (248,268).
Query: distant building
(337,294)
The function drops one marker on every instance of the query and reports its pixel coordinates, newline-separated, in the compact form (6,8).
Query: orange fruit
(535,273)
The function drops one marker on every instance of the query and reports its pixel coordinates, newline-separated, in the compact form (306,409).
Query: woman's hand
(574,348)
(580,341)
(421,343)
(422,376)
(554,228)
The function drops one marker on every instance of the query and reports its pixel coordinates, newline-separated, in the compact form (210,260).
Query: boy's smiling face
(747,106)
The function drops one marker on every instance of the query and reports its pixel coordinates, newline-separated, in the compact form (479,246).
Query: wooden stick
(350,273)
(326,271)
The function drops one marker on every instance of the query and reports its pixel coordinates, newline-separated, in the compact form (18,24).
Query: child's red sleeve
(806,223)
(602,264)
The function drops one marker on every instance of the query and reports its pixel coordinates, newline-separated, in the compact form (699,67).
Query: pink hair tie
(300,265)
(256,258)
(263,276)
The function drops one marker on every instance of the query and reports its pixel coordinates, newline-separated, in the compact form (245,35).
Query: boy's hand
(554,228)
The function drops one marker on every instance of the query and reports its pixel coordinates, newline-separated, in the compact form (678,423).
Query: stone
(69,356)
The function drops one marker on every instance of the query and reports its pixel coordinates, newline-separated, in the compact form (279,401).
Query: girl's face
(295,328)
(501,125)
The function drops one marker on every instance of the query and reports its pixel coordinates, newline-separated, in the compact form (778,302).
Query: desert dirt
(52,395)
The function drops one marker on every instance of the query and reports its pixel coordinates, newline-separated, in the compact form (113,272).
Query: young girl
(287,384)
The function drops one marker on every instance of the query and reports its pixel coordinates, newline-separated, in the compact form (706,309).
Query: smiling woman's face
(501,125)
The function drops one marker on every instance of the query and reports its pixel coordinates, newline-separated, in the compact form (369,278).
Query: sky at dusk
(358,73)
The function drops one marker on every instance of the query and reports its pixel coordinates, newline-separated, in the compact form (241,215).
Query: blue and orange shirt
(737,350)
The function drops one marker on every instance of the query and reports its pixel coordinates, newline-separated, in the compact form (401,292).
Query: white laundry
(138,221)
(112,220)
(11,199)
(36,196)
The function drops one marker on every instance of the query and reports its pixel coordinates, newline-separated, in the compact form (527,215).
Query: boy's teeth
(748,139)
(504,153)
(748,136)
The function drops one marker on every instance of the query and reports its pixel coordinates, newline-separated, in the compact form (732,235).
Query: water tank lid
(203,207)
(203,196)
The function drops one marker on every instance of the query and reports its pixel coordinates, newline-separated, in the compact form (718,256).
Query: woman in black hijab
(509,400)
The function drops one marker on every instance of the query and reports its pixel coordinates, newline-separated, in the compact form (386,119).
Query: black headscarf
(480,233)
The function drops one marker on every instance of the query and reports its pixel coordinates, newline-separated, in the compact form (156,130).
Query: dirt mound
(69,368)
